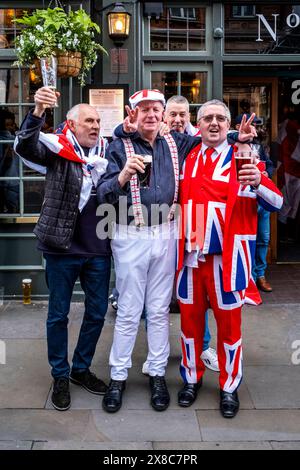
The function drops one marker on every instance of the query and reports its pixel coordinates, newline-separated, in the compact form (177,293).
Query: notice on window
(110,105)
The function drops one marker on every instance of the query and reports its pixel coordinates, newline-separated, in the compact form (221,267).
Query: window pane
(166,82)
(33,196)
(171,31)
(178,40)
(194,86)
(177,18)
(196,40)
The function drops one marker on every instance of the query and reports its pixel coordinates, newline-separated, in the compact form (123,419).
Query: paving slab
(25,378)
(293,445)
(144,425)
(23,321)
(268,334)
(274,387)
(211,446)
(44,425)
(251,425)
(16,445)
(80,445)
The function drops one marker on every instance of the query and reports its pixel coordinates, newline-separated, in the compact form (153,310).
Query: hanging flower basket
(69,64)
(69,36)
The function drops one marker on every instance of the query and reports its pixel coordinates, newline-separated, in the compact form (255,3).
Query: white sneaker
(145,368)
(210,359)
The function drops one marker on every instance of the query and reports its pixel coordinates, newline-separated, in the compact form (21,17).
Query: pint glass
(26,286)
(49,73)
(144,178)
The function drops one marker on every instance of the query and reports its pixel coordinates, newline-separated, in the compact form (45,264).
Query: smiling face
(213,125)
(86,127)
(177,116)
(150,116)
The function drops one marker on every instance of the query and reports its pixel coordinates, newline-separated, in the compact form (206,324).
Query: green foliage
(50,31)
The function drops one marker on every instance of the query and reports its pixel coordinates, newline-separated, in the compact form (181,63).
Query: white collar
(217,151)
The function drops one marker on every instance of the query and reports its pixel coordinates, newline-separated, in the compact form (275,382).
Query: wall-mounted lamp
(118,24)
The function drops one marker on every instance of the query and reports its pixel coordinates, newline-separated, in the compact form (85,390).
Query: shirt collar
(217,151)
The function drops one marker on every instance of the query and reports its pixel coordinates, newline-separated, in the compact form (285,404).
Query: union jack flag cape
(240,223)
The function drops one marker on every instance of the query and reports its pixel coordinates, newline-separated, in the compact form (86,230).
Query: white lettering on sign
(263,19)
(296,94)
(292,21)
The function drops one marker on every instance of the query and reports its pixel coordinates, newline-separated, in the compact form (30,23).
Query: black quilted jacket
(57,219)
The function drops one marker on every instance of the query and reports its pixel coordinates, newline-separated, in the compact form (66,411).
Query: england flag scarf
(64,143)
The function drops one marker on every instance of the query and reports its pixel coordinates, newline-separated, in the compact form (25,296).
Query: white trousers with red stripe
(145,268)
(198,289)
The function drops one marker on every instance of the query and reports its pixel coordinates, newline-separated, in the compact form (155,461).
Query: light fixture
(118,24)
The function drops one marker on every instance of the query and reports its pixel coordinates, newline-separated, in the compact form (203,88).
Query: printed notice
(110,106)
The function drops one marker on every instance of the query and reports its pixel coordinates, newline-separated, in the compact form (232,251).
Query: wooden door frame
(274,131)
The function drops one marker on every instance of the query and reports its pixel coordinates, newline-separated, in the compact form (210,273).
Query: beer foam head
(147,158)
(146,95)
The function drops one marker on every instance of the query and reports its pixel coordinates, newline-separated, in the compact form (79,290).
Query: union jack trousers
(194,287)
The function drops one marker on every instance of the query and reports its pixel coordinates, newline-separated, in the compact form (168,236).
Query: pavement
(269,416)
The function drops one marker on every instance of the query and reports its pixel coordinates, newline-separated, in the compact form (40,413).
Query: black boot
(112,400)
(60,398)
(160,398)
(188,394)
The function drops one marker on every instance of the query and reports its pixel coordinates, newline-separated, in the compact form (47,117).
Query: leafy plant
(50,31)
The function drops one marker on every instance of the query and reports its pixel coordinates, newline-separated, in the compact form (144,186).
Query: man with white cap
(144,244)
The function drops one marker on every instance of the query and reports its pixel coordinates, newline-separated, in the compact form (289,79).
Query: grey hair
(215,103)
(178,99)
(73,113)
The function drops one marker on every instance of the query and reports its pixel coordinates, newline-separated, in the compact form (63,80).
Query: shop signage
(292,21)
(296,94)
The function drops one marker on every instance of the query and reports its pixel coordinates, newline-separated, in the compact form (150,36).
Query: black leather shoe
(188,394)
(229,404)
(160,398)
(112,400)
(60,398)
(89,381)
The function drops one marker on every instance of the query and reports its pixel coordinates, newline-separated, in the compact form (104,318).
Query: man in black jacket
(66,232)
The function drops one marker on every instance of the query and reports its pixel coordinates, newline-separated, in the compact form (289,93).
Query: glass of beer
(49,73)
(26,286)
(243,158)
(144,178)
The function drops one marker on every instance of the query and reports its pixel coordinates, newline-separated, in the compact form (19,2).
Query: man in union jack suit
(216,248)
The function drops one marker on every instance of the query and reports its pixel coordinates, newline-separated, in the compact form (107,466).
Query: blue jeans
(262,243)
(61,274)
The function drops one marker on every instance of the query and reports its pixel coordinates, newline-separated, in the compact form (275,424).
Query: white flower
(68,33)
(39,27)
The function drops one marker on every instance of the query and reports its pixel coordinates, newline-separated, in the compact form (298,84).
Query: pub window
(243,11)
(178,29)
(8,28)
(21,188)
(191,84)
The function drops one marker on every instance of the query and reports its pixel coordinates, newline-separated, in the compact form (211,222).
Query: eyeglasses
(210,117)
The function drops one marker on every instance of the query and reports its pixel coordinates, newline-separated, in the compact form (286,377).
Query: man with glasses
(218,223)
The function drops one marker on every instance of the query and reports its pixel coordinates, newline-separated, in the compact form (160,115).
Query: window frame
(146,33)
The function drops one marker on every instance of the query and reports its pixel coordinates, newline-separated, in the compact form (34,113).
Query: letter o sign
(293,20)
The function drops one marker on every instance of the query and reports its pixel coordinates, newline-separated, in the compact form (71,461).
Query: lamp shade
(118,24)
